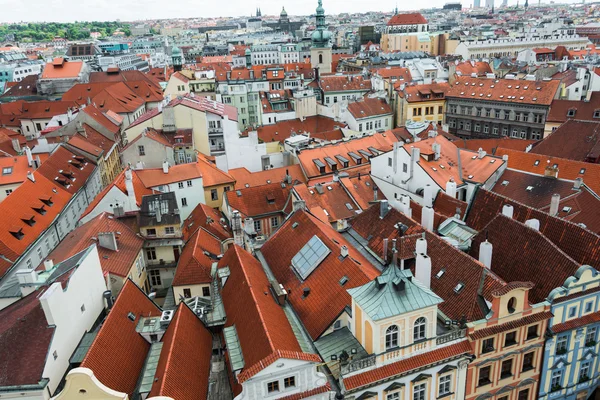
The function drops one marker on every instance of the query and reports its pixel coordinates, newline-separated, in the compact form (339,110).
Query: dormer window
(17,233)
(29,220)
(47,201)
(596,113)
(7,170)
(391,337)
(40,210)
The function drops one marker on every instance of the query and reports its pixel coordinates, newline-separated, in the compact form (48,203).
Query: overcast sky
(125,10)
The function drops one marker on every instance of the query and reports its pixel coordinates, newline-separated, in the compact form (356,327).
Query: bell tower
(320,51)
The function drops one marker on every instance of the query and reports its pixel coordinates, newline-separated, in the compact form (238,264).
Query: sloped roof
(244,178)
(575,140)
(368,107)
(407,19)
(505,90)
(361,189)
(194,265)
(315,125)
(211,175)
(330,198)
(490,145)
(264,332)
(259,200)
(208,218)
(118,342)
(584,110)
(62,70)
(153,177)
(481,68)
(336,83)
(18,169)
(324,280)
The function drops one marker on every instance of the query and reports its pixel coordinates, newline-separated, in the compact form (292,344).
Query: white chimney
(29,156)
(26,276)
(577,184)
(437,150)
(533,224)
(451,188)
(165,166)
(108,240)
(30,176)
(423,270)
(236,227)
(405,206)
(383,208)
(554,201)
(48,264)
(344,251)
(428,196)
(508,210)
(130,189)
(427,218)
(421,246)
(485,253)
(481,153)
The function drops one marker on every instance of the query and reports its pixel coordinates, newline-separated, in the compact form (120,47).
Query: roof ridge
(172,344)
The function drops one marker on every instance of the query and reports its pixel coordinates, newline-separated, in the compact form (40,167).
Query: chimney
(16,145)
(118,211)
(437,150)
(554,201)
(577,184)
(236,227)
(394,253)
(485,253)
(374,193)
(165,166)
(533,224)
(344,251)
(415,153)
(405,206)
(130,189)
(480,153)
(421,245)
(551,171)
(508,210)
(383,208)
(451,188)
(299,205)
(385,250)
(108,240)
(48,264)
(423,269)
(109,299)
(428,196)
(30,176)
(427,218)
(29,156)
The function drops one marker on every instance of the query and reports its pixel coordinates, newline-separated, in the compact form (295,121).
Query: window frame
(420,329)
(392,337)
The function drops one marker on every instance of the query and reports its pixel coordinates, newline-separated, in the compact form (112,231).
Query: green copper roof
(233,347)
(394,292)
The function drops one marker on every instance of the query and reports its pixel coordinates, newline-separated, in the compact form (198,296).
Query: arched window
(391,337)
(320,58)
(420,329)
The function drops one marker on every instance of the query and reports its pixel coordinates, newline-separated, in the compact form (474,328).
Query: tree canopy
(46,31)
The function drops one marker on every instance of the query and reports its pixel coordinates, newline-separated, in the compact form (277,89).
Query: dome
(176,50)
(321,36)
(248,52)
(283,13)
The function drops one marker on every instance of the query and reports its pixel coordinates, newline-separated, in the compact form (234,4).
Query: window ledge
(443,396)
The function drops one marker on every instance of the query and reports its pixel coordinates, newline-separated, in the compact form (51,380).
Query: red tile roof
(367,108)
(428,92)
(575,140)
(261,200)
(18,166)
(577,323)
(330,198)
(101,118)
(119,262)
(208,218)
(350,83)
(24,331)
(61,69)
(511,325)
(406,365)
(399,73)
(407,19)
(244,178)
(491,145)
(467,68)
(361,189)
(264,332)
(309,393)
(315,125)
(153,177)
(584,110)
(211,175)
(194,265)
(323,281)
(187,349)
(505,90)
(118,343)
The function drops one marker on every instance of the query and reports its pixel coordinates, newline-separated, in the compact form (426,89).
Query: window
(589,306)
(561,344)
(151,232)
(8,191)
(571,113)
(510,339)
(556,382)
(393,396)
(169,230)
(488,112)
(484,375)
(590,337)
(82,308)
(479,112)
(141,151)
(257,225)
(391,337)
(274,222)
(584,371)
(528,361)
(151,253)
(523,395)
(187,293)
(155,277)
(419,391)
(214,195)
(206,291)
(532,332)
(289,382)
(420,328)
(184,202)
(445,385)
(572,312)
(189,183)
(506,369)
(180,185)
(55,355)
(273,387)
(487,346)
(7,170)
(39,253)
(512,303)
(404,167)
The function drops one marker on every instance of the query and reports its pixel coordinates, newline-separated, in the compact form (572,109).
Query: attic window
(349,206)
(440,274)
(343,280)
(29,220)
(47,201)
(554,165)
(343,160)
(319,165)
(458,288)
(582,171)
(492,161)
(294,225)
(571,112)
(131,316)
(40,210)
(7,170)
(239,193)
(529,188)
(309,257)
(566,209)
(504,183)
(536,163)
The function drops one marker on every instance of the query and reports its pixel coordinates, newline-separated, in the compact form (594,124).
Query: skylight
(458,288)
(529,188)
(440,274)
(567,209)
(504,183)
(309,257)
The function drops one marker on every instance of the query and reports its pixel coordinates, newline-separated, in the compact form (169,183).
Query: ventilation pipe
(485,253)
(554,202)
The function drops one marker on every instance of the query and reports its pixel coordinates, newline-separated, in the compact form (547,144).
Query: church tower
(320,51)
(177,59)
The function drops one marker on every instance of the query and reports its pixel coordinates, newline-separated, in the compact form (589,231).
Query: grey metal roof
(456,229)
(394,292)
(150,367)
(83,347)
(236,358)
(335,343)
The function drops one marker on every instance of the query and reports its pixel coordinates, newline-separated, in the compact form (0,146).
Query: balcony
(450,336)
(215,131)
(158,264)
(357,365)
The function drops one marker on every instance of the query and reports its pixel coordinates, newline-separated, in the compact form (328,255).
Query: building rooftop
(574,140)
(505,90)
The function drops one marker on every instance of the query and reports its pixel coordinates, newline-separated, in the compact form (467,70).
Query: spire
(526,3)
(396,10)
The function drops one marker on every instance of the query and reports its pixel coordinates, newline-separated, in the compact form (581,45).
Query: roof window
(309,257)
(529,188)
(566,209)
(458,288)
(571,112)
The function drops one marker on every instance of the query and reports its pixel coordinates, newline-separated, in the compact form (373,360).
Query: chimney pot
(48,264)
(383,208)
(577,184)
(485,254)
(344,251)
(508,210)
(165,167)
(554,202)
(533,223)
(423,270)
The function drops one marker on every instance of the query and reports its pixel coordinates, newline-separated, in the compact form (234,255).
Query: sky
(127,10)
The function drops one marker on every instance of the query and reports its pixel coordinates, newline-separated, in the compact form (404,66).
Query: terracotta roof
(407,19)
(101,118)
(118,98)
(187,349)
(207,218)
(567,169)
(119,262)
(260,200)
(336,83)
(264,332)
(153,177)
(467,68)
(151,134)
(118,343)
(315,125)
(62,69)
(330,199)
(194,264)
(575,140)
(211,175)
(123,76)
(448,205)
(504,90)
(18,169)
(577,323)
(514,324)
(425,92)
(361,189)
(309,393)
(583,110)
(382,142)
(579,243)
(67,170)
(399,73)
(24,330)
(354,382)
(323,281)
(244,178)
(491,145)
(367,108)
(404,135)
